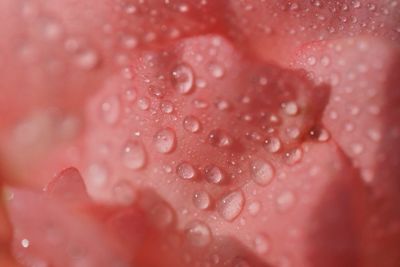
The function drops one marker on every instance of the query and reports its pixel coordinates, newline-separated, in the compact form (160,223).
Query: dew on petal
(201,200)
(219,138)
(230,206)
(262,172)
(213,174)
(191,124)
(110,109)
(272,144)
(183,78)
(186,171)
(165,140)
(133,155)
(198,234)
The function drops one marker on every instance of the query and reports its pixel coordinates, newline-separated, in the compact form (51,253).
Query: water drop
(285,200)
(198,234)
(161,215)
(165,140)
(293,132)
(200,104)
(262,244)
(254,208)
(272,144)
(357,148)
(191,124)
(134,155)
(320,134)
(311,60)
(219,138)
(167,107)
(156,91)
(222,105)
(110,109)
(88,59)
(25,243)
(130,42)
(124,193)
(182,78)
(201,200)
(216,71)
(231,205)
(325,61)
(130,94)
(290,108)
(143,103)
(213,174)
(97,174)
(186,171)
(262,172)
(293,156)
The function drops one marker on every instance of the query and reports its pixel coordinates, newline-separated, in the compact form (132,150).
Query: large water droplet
(213,174)
(186,171)
(198,234)
(262,172)
(134,155)
(231,205)
(182,78)
(191,124)
(165,140)
(110,109)
(262,244)
(219,138)
(201,200)
(272,144)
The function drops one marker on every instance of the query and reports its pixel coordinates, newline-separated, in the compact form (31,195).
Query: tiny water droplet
(262,244)
(219,138)
(201,200)
(285,200)
(213,174)
(165,140)
(186,171)
(262,172)
(110,109)
(198,234)
(230,206)
(134,155)
(311,60)
(191,124)
(217,71)
(320,134)
(272,144)
(183,78)
(293,132)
